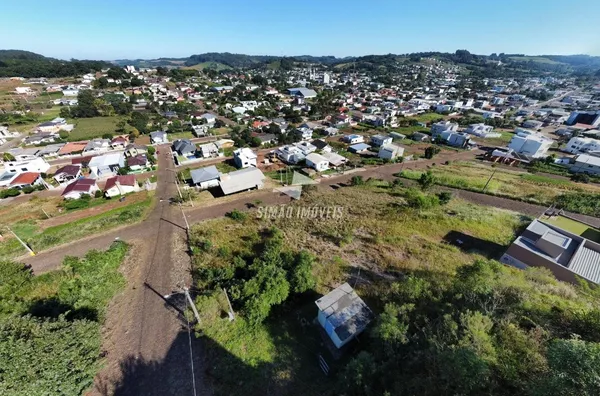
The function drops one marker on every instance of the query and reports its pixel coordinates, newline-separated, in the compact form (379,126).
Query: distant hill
(17,63)
(20,55)
(209,65)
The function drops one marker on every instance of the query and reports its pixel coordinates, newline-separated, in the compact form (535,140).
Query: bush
(357,181)
(426,180)
(445,197)
(431,151)
(237,215)
(580,178)
(419,200)
(11,192)
(98,194)
(73,204)
(28,189)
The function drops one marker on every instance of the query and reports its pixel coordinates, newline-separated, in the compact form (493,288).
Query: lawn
(40,240)
(225,167)
(507,183)
(180,135)
(574,227)
(90,128)
(376,233)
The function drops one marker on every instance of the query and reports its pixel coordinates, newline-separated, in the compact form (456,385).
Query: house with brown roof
(138,162)
(72,148)
(80,187)
(120,185)
(67,173)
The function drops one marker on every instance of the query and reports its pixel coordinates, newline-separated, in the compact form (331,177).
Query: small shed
(359,148)
(343,314)
(205,177)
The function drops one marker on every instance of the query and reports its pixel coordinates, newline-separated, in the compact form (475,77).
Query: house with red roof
(120,185)
(80,187)
(119,142)
(26,179)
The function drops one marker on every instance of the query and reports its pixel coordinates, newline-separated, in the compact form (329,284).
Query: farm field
(508,183)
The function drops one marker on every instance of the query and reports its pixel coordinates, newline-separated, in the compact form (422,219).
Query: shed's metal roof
(204,174)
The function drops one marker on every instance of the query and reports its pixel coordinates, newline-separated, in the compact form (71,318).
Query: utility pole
(187,225)
(489,180)
(231,316)
(189,298)
(45,213)
(31,253)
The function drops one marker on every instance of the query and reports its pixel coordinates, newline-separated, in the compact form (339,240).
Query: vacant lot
(89,128)
(508,183)
(376,237)
(40,239)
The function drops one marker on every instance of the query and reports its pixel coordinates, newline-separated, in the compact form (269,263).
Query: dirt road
(142,332)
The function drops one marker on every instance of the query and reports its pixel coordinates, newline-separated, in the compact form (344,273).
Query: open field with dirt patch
(517,184)
(39,238)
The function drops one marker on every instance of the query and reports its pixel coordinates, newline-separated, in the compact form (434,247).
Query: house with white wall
(580,145)
(244,158)
(317,162)
(533,144)
(35,165)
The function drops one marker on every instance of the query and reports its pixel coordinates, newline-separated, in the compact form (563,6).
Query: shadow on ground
(471,244)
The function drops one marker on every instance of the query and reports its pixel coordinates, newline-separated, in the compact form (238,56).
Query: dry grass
(375,232)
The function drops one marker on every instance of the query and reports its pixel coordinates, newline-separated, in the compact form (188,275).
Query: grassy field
(427,117)
(539,59)
(376,233)
(181,135)
(209,65)
(39,239)
(499,141)
(90,128)
(508,183)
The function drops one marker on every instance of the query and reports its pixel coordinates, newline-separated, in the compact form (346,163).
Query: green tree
(574,369)
(301,276)
(431,151)
(86,105)
(139,121)
(427,180)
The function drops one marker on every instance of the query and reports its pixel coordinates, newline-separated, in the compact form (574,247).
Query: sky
(131,29)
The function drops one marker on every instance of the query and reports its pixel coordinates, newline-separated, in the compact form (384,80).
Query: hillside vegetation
(15,63)
(50,324)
